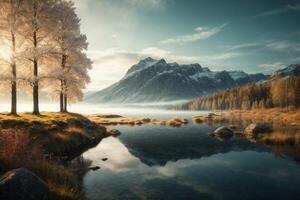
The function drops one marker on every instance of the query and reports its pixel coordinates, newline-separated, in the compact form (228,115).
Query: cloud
(272,66)
(110,65)
(154,4)
(295,59)
(287,8)
(283,46)
(243,46)
(171,57)
(201,33)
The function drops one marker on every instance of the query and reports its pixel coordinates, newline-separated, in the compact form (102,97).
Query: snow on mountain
(153,80)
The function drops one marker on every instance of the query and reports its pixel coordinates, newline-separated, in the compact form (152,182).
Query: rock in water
(223,132)
(22,184)
(256,128)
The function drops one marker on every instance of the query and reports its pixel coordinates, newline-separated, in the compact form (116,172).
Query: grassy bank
(290,117)
(42,143)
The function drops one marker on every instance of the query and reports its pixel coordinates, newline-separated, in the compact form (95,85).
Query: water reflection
(153,162)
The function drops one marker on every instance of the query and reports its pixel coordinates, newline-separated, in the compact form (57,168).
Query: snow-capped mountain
(156,80)
(291,70)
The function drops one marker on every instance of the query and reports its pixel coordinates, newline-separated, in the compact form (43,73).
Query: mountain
(291,70)
(281,90)
(153,80)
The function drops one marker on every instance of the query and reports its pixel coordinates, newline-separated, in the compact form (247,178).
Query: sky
(253,36)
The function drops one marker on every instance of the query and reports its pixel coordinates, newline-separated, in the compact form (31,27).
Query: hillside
(156,81)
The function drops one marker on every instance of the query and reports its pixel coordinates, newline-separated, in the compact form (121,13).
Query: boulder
(223,132)
(22,184)
(113,132)
(257,128)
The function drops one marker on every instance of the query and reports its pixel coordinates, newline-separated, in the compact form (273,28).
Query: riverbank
(42,143)
(289,117)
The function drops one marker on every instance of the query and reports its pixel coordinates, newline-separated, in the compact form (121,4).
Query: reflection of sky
(234,175)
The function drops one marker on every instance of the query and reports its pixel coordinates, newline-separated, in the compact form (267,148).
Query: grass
(39,143)
(62,183)
(119,120)
(290,117)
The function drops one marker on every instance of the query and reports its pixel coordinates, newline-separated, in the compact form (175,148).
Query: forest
(42,49)
(278,93)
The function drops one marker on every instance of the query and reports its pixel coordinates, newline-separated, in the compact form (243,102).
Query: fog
(136,110)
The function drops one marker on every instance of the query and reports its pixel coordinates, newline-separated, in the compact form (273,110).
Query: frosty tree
(70,75)
(39,25)
(10,28)
(53,50)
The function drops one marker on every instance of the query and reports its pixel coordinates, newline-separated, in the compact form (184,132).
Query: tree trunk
(14,92)
(61,96)
(66,103)
(14,78)
(36,110)
(62,85)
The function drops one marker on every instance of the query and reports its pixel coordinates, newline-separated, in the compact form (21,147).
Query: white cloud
(201,33)
(111,64)
(287,8)
(171,57)
(273,66)
(283,46)
(148,3)
(243,46)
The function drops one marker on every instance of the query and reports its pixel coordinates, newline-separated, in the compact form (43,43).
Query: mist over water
(130,110)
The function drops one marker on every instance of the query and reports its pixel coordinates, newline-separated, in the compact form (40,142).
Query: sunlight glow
(5,52)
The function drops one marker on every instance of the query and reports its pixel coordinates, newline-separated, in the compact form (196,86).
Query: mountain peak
(148,59)
(152,80)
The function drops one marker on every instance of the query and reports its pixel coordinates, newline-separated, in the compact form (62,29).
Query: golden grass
(290,117)
(174,122)
(62,183)
(58,135)
(209,118)
(46,118)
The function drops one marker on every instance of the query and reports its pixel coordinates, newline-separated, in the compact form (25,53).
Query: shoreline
(288,117)
(43,144)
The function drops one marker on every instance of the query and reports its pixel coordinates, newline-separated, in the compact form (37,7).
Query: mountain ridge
(155,80)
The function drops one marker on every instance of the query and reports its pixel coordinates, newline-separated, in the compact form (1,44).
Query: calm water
(156,162)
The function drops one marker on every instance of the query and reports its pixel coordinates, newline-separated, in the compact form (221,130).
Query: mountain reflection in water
(155,162)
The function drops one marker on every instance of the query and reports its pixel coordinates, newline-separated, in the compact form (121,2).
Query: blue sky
(254,36)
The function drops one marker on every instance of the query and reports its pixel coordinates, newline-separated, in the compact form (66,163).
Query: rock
(198,120)
(109,116)
(212,134)
(22,184)
(94,168)
(232,126)
(256,128)
(223,132)
(113,132)
(104,159)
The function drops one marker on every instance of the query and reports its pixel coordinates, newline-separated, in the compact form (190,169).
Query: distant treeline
(284,92)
